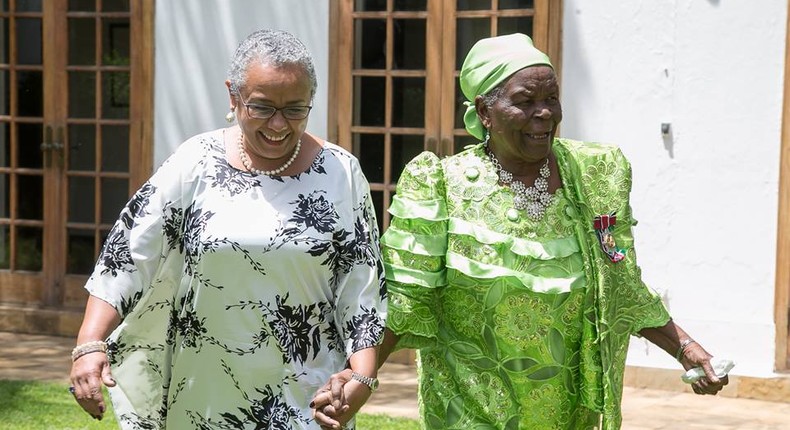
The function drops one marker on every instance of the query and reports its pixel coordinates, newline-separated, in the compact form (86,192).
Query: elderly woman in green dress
(511,269)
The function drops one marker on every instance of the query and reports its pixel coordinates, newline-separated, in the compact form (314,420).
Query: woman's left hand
(329,403)
(694,355)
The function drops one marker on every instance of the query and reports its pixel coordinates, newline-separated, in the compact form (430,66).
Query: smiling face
(274,86)
(523,119)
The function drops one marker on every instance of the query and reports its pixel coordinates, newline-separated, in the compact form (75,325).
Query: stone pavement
(32,357)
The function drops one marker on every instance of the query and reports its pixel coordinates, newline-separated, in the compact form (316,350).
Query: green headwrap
(488,63)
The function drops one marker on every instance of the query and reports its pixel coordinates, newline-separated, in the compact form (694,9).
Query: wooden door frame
(782,286)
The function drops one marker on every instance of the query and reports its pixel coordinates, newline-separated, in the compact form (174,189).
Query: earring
(487,139)
(231,116)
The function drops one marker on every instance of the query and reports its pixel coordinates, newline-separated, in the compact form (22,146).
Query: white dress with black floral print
(239,294)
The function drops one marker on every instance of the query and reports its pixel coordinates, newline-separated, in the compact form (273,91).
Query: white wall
(194,44)
(706,197)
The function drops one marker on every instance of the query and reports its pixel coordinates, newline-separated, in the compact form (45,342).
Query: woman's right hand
(88,373)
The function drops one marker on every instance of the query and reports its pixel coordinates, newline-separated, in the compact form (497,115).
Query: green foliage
(33,405)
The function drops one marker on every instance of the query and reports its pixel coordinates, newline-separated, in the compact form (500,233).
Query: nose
(278,122)
(543,112)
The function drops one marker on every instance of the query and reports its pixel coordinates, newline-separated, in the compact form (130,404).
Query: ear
(230,95)
(483,113)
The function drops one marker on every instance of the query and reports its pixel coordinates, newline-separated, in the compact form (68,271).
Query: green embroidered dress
(519,324)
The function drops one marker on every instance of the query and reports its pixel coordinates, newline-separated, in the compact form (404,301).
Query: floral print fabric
(239,294)
(503,308)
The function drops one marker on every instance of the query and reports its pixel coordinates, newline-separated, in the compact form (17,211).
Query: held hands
(694,355)
(338,401)
(88,373)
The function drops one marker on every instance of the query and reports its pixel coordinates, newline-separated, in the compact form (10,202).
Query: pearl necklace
(534,199)
(245,160)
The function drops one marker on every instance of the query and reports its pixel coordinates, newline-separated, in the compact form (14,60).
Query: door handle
(46,146)
(46,143)
(57,146)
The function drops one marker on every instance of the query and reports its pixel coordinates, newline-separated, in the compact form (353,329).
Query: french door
(75,138)
(395,70)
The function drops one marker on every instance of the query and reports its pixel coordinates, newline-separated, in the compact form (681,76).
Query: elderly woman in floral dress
(243,274)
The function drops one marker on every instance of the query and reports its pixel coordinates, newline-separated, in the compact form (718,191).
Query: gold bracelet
(87,348)
(682,348)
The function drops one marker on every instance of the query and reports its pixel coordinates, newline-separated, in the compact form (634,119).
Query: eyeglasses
(266,112)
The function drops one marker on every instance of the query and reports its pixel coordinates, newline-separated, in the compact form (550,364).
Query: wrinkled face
(522,121)
(277,87)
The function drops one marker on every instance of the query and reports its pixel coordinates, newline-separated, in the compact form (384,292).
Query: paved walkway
(31,357)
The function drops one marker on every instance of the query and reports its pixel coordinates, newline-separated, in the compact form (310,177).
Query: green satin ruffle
(548,250)
(541,284)
(422,244)
(431,210)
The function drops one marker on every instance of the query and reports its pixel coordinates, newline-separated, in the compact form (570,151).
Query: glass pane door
(390,90)
(21,160)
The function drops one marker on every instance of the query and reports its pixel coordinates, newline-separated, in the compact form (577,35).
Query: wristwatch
(372,383)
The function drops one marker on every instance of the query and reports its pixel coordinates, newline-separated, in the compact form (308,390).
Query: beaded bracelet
(87,348)
(682,348)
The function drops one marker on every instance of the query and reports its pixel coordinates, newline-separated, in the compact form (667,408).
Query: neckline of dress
(224,149)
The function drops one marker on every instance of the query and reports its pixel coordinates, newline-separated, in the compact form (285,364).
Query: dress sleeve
(147,231)
(414,248)
(361,299)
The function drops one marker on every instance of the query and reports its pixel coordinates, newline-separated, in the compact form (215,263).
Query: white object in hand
(721,368)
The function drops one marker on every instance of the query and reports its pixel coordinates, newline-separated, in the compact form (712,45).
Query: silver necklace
(535,199)
(245,160)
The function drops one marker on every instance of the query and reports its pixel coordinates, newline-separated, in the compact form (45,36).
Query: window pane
(28,248)
(5,197)
(460,109)
(5,247)
(408,102)
(30,197)
(115,148)
(5,93)
(81,254)
(516,4)
(81,199)
(404,148)
(474,4)
(5,144)
(82,5)
(369,101)
(115,5)
(82,41)
(370,5)
(115,42)
(26,5)
(29,138)
(371,43)
(469,31)
(82,94)
(408,44)
(30,89)
(115,95)
(461,142)
(378,205)
(114,195)
(82,147)
(521,24)
(28,33)
(410,4)
(4,33)
(369,148)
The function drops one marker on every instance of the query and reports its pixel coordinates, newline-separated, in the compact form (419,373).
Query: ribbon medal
(603,225)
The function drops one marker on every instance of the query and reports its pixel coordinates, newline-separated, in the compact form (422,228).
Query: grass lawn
(32,405)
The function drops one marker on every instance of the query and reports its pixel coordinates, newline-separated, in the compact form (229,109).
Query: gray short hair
(270,47)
